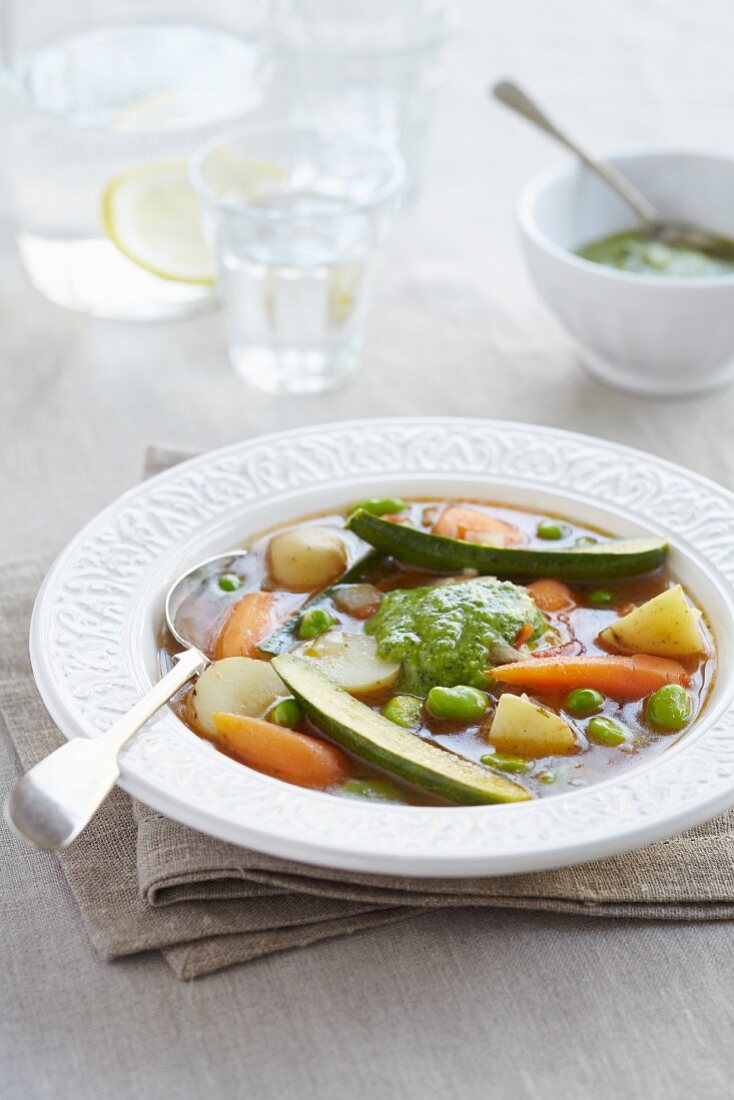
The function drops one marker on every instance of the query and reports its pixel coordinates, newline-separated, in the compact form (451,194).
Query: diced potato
(351,661)
(665,626)
(235,685)
(306,558)
(521,727)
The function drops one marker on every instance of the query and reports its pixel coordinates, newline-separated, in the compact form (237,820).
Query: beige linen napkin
(197,934)
(143,881)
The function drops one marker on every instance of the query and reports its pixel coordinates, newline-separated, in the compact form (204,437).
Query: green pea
(601,597)
(457,704)
(506,763)
(229,582)
(605,731)
(669,707)
(315,621)
(378,789)
(381,506)
(403,710)
(583,701)
(552,529)
(286,713)
(586,540)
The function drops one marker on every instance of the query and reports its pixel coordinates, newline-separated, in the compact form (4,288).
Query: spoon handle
(515,98)
(59,796)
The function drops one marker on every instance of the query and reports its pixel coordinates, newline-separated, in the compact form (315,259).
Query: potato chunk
(351,661)
(521,727)
(665,626)
(306,558)
(235,685)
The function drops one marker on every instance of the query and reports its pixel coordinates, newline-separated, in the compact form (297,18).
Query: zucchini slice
(588,564)
(379,741)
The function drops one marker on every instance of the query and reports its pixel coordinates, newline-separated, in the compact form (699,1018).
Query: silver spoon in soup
(54,801)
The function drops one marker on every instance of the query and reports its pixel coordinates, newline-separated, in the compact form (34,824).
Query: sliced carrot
(620,677)
(280,752)
(457,522)
(550,595)
(250,620)
(524,633)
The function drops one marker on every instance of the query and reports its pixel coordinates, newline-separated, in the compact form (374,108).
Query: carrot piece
(620,677)
(550,595)
(250,620)
(523,634)
(280,752)
(470,525)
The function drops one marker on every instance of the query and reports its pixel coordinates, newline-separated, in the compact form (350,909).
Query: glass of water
(371,69)
(294,217)
(108,101)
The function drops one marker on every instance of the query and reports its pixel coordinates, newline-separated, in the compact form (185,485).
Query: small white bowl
(653,335)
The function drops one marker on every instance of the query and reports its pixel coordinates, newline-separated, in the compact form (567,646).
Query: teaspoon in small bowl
(675,234)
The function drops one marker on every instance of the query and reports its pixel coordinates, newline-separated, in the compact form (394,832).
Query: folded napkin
(144,882)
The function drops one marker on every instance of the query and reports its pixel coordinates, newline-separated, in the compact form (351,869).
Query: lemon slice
(151,213)
(344,283)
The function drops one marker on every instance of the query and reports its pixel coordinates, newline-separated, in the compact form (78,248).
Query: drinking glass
(371,69)
(97,89)
(294,217)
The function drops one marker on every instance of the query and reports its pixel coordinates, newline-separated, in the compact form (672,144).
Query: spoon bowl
(181,589)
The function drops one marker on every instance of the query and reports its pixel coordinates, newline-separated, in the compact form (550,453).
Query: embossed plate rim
(169,767)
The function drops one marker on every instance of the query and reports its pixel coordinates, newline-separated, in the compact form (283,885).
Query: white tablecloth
(476,1004)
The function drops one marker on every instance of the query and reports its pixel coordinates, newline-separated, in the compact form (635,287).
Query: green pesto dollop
(449,634)
(636,252)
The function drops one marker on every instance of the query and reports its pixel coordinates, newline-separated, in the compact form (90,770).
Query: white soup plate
(94,627)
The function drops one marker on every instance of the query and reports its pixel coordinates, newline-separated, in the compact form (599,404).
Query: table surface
(486,1003)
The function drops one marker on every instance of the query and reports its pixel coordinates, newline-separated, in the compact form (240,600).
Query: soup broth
(317,615)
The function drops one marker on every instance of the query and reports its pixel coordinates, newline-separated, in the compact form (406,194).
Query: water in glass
(92,103)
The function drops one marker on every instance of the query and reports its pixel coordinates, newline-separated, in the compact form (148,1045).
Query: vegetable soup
(443,652)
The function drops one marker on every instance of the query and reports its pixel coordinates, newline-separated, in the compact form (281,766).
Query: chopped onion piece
(359,600)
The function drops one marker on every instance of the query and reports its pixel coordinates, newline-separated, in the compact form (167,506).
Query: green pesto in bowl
(635,251)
